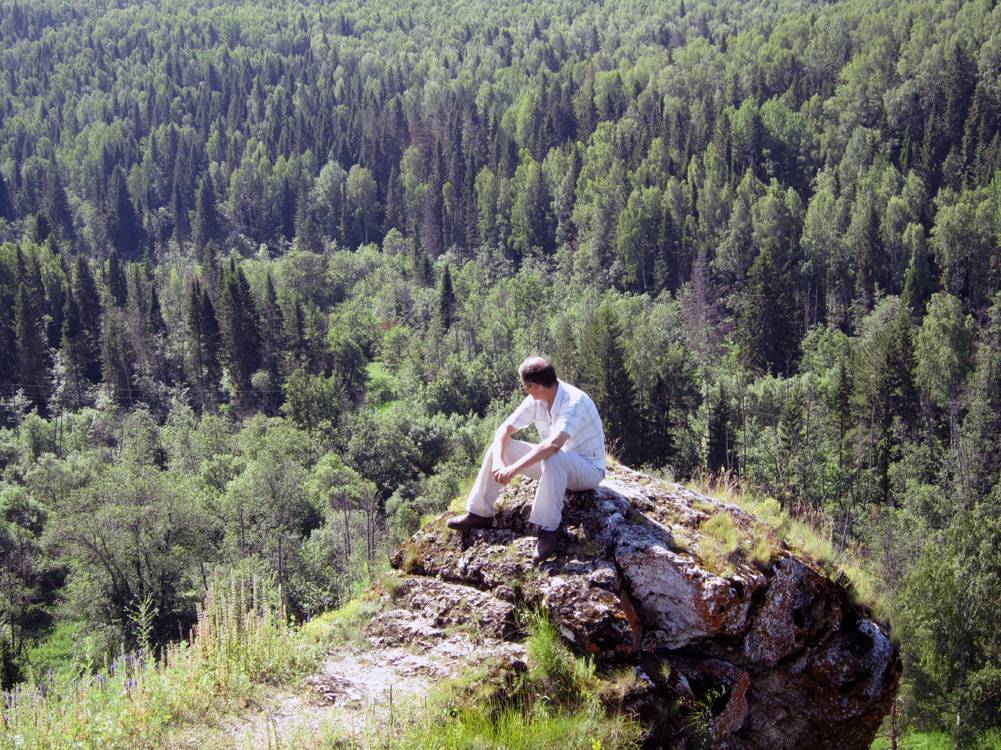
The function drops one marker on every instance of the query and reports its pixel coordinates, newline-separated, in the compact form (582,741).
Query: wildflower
(130,685)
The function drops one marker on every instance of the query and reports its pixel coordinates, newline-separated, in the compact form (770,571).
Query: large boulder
(695,593)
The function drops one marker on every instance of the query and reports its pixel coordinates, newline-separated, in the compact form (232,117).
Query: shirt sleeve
(569,418)
(522,416)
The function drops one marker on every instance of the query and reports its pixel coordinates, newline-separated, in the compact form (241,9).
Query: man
(571,454)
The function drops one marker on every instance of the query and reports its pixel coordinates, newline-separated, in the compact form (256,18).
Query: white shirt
(574,413)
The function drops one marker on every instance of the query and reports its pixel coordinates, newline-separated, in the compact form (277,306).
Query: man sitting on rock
(570,456)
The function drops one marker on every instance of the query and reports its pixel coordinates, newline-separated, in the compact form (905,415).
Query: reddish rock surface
(790,661)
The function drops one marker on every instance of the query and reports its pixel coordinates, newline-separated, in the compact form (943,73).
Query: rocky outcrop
(701,597)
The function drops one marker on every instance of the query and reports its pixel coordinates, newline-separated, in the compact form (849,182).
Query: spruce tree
(56,208)
(768,326)
(6,203)
(239,329)
(118,285)
(8,341)
(603,375)
(79,359)
(446,300)
(205,227)
(182,226)
(117,356)
(32,368)
(203,354)
(124,226)
(87,303)
(272,332)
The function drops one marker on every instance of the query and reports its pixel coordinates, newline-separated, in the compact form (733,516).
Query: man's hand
(504,474)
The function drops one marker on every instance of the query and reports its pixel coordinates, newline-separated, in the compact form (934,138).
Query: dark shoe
(548,541)
(469,521)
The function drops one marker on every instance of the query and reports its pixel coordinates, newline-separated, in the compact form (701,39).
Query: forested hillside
(268,269)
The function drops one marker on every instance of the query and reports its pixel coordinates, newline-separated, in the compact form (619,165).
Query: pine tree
(87,303)
(768,326)
(603,376)
(124,227)
(182,226)
(272,332)
(8,341)
(6,204)
(32,370)
(203,355)
(446,300)
(118,285)
(117,356)
(205,227)
(56,208)
(79,359)
(239,329)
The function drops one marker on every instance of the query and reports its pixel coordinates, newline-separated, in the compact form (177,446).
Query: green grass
(240,642)
(808,537)
(918,741)
(554,705)
(718,543)
(344,625)
(990,740)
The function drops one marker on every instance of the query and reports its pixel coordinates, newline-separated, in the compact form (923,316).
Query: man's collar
(561,394)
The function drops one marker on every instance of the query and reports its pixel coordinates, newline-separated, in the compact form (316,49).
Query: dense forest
(268,269)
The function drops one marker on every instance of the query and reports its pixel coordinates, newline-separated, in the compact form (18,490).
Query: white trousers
(555,475)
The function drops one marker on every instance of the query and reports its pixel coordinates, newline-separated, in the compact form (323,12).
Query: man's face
(532,389)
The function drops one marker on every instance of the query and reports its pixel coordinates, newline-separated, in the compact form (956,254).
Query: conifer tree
(78,355)
(272,331)
(87,309)
(8,341)
(117,356)
(32,370)
(182,226)
(118,285)
(203,354)
(767,328)
(124,227)
(239,332)
(205,227)
(56,208)
(446,300)
(6,204)
(603,375)
(295,334)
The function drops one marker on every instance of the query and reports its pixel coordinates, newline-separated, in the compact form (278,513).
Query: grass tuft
(718,544)
(554,705)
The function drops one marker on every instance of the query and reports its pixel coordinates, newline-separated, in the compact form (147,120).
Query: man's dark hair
(538,370)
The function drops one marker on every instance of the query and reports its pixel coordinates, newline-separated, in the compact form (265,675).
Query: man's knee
(557,462)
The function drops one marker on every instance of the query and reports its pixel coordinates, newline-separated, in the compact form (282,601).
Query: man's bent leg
(486,489)
(561,471)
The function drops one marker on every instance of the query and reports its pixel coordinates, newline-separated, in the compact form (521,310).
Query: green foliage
(767,253)
(241,641)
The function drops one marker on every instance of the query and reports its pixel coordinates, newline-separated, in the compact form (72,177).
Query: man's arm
(539,453)
(501,439)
